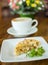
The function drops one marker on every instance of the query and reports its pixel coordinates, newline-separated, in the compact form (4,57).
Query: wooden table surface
(5,23)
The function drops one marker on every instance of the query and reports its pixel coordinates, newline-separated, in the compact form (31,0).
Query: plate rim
(21,35)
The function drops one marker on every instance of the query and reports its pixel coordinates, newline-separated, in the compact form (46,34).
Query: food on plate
(34,52)
(26,45)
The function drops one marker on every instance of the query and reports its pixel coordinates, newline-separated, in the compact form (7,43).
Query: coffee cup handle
(36,23)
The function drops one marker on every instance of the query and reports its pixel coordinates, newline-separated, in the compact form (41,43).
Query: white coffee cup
(23,24)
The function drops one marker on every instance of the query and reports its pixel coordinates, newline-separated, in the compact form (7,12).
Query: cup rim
(21,18)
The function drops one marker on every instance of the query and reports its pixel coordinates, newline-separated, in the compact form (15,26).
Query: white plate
(7,50)
(13,32)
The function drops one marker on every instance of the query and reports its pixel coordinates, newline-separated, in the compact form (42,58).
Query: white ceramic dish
(7,51)
(23,24)
(13,32)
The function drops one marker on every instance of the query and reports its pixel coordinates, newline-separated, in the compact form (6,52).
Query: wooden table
(5,23)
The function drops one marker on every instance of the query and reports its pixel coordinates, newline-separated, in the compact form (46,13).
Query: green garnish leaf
(33,52)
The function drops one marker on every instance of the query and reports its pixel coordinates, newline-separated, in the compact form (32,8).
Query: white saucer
(13,32)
